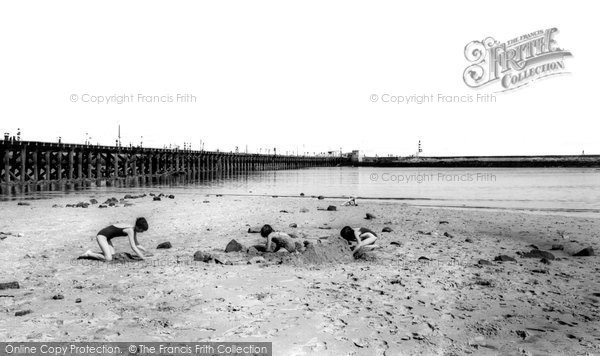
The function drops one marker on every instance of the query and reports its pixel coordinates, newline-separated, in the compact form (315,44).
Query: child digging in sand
(361,238)
(279,239)
(105,236)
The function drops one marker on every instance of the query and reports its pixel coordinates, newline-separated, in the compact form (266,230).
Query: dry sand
(391,305)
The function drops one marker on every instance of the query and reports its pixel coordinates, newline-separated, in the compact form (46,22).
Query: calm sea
(549,189)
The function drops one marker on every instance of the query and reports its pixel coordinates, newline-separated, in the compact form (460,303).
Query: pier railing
(32,166)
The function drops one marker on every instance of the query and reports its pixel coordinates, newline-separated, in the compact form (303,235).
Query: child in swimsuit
(279,239)
(359,237)
(105,236)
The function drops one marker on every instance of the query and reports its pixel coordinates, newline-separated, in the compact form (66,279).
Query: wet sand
(396,304)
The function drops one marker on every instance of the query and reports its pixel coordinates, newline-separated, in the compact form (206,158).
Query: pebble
(588,251)
(165,244)
(504,258)
(369,216)
(234,246)
(78,300)
(320,197)
(294,225)
(23,203)
(545,261)
(331,208)
(387,229)
(201,256)
(469,240)
(484,263)
(557,247)
(102,206)
(23,312)
(535,253)
(58,297)
(156,199)
(93,201)
(9,285)
(171,196)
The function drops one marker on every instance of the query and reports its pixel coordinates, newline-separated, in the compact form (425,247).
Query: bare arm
(134,245)
(269,242)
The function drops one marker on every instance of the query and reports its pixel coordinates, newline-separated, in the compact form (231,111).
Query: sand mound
(331,250)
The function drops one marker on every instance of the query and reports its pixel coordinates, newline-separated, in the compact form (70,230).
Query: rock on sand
(234,246)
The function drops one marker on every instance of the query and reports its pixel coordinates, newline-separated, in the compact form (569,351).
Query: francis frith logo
(514,63)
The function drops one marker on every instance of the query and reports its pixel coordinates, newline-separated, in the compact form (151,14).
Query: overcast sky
(293,75)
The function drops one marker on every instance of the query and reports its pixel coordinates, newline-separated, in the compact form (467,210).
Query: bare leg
(105,246)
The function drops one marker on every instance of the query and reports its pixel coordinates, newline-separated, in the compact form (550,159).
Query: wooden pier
(29,166)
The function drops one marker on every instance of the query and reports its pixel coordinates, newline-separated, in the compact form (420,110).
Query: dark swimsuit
(112,231)
(363,230)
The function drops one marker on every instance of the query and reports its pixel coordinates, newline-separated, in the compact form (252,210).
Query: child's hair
(266,230)
(141,224)
(347,233)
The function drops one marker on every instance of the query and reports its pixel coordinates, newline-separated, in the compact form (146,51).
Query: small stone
(23,203)
(171,196)
(301,194)
(58,297)
(78,300)
(484,263)
(423,258)
(331,208)
(522,334)
(320,197)
(201,256)
(56,206)
(254,230)
(205,201)
(443,222)
(557,247)
(387,229)
(369,216)
(294,225)
(504,258)
(252,251)
(535,253)
(447,234)
(165,244)
(234,246)
(156,199)
(396,243)
(545,261)
(93,201)
(102,206)
(23,312)
(9,285)
(588,251)
(469,240)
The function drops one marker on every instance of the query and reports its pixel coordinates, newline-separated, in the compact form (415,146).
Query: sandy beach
(424,291)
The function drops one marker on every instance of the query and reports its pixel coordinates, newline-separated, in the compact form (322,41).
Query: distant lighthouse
(419,149)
